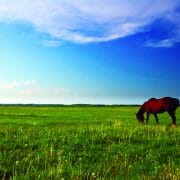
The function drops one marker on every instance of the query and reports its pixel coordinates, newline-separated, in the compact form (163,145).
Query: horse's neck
(141,110)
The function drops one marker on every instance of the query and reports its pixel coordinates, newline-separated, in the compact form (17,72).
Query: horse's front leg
(147,117)
(155,115)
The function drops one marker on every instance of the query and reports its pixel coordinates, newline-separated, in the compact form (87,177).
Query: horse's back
(165,100)
(161,105)
(153,105)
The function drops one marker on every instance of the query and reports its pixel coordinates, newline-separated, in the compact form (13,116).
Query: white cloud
(9,86)
(51,43)
(174,35)
(39,92)
(161,43)
(85,21)
(30,91)
(30,82)
(13,85)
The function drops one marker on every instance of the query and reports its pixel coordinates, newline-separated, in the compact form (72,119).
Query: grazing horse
(154,106)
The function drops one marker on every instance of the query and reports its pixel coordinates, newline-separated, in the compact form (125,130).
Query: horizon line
(54,104)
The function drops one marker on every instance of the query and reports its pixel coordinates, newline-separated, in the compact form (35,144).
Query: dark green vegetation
(86,143)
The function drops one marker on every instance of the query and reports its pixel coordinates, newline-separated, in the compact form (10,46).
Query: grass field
(86,143)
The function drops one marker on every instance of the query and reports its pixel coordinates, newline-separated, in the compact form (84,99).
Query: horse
(155,106)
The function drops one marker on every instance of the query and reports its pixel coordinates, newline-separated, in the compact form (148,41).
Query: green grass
(86,143)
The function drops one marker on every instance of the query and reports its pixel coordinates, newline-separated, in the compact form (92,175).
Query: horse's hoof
(173,126)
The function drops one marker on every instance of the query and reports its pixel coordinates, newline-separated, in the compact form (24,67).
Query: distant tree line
(70,105)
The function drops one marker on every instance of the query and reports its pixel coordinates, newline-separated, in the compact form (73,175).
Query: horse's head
(140,117)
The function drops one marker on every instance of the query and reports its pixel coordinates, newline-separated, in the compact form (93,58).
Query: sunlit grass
(86,143)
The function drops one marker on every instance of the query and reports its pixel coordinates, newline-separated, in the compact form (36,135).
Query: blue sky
(110,52)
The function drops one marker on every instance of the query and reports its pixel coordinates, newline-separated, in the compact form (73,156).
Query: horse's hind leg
(172,114)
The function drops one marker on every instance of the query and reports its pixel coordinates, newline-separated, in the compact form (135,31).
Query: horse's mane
(141,110)
(152,99)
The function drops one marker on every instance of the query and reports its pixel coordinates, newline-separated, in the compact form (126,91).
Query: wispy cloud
(39,92)
(51,43)
(173,36)
(161,43)
(8,86)
(30,82)
(31,91)
(86,21)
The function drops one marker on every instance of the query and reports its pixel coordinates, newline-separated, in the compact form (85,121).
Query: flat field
(86,143)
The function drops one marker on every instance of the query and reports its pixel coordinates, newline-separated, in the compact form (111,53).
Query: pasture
(86,143)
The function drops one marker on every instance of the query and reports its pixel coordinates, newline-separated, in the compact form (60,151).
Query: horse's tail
(178,104)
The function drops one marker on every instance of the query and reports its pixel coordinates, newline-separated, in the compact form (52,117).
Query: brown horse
(155,106)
